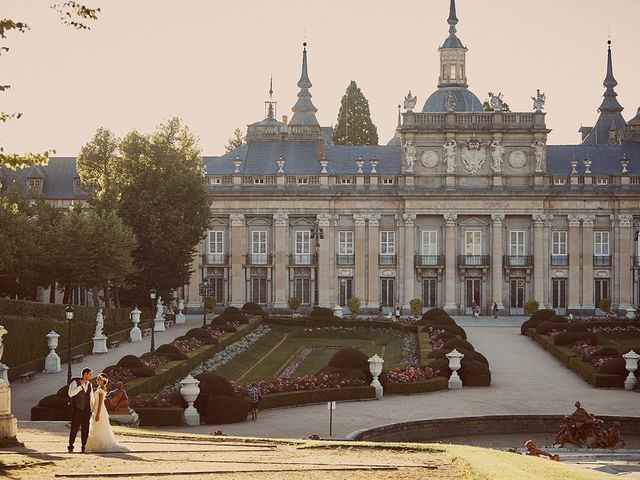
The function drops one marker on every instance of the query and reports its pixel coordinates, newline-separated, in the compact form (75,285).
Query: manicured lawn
(622,341)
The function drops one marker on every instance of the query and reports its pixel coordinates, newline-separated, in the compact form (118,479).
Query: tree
(531,306)
(416,305)
(354,125)
(235,141)
(354,305)
(294,303)
(71,13)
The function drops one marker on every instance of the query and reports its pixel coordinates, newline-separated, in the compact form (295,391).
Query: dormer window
(35,183)
(258,181)
(559,181)
(387,181)
(77,183)
(303,181)
(215,181)
(345,181)
(602,181)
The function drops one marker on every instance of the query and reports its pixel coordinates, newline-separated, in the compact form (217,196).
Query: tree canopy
(235,141)
(354,125)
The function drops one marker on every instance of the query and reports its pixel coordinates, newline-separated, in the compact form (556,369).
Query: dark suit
(80,412)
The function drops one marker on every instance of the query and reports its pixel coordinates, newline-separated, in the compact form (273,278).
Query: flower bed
(306,382)
(290,369)
(304,397)
(433,385)
(411,374)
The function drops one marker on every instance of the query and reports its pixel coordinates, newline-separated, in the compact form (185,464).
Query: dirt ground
(153,458)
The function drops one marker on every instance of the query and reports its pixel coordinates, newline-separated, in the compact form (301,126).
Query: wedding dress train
(101,437)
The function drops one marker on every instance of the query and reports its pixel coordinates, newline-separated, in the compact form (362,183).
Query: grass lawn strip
(284,338)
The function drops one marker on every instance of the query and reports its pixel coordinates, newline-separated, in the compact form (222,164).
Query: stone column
(281,248)
(360,247)
(574,262)
(194,300)
(326,261)
(539,258)
(587,262)
(450,243)
(373,297)
(625,286)
(497,220)
(409,250)
(238,250)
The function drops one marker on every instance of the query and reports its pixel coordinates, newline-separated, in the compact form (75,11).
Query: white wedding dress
(101,437)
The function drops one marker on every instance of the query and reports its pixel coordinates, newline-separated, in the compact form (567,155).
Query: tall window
(559,243)
(429,242)
(259,247)
(215,252)
(516,243)
(473,243)
(387,243)
(345,239)
(302,247)
(453,72)
(302,289)
(600,243)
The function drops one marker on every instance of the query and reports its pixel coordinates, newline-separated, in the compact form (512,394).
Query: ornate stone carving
(624,162)
(345,272)
(559,273)
(409,155)
(602,273)
(374,165)
(517,159)
(410,102)
(323,163)
(450,219)
(359,220)
(587,165)
(409,219)
(574,166)
(236,163)
(430,159)
(540,151)
(574,220)
(281,161)
(280,218)
(588,221)
(237,219)
(538,219)
(374,220)
(360,165)
(625,220)
(539,101)
(497,153)
(450,155)
(324,219)
(388,273)
(451,101)
(497,219)
(473,156)
(582,429)
(496,101)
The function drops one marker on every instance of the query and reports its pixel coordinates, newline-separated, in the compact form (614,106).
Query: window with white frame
(473,242)
(387,181)
(345,181)
(602,181)
(345,242)
(215,180)
(601,244)
(259,247)
(559,243)
(302,247)
(387,243)
(429,242)
(258,181)
(303,181)
(559,181)
(215,248)
(516,243)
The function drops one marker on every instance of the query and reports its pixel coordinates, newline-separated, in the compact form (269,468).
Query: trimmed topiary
(567,338)
(468,354)
(577,327)
(130,361)
(541,315)
(458,343)
(211,384)
(604,352)
(432,313)
(172,352)
(202,334)
(349,358)
(526,326)
(545,327)
(474,374)
(253,308)
(231,311)
(442,365)
(226,409)
(228,328)
(615,366)
(454,329)
(142,371)
(442,319)
(348,373)
(445,336)
(57,402)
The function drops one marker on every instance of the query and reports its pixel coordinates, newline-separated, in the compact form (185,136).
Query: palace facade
(463,205)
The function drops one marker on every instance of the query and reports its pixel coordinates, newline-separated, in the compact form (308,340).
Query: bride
(101,438)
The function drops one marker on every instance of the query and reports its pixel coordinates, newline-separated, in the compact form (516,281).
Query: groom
(81,393)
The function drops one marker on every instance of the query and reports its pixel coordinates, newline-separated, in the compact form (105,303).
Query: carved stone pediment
(473,156)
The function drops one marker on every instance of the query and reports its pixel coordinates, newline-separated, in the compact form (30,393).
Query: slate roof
(466,100)
(605,158)
(57,177)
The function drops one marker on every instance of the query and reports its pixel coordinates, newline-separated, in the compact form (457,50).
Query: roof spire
(453,19)
(304,81)
(399,117)
(304,112)
(610,103)
(609,81)
(270,105)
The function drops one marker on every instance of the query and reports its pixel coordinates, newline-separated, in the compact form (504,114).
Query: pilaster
(373,295)
(539,258)
(238,250)
(574,262)
(450,222)
(281,223)
(623,254)
(326,261)
(497,219)
(587,262)
(409,221)
(360,251)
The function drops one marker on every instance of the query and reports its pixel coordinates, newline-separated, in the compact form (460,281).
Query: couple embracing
(89,414)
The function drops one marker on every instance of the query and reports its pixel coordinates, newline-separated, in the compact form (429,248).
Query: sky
(209,62)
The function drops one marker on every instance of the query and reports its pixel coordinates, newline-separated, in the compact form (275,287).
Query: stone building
(463,205)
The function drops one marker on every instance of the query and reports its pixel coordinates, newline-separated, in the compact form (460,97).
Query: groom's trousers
(79,420)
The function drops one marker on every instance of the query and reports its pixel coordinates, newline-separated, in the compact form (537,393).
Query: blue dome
(466,101)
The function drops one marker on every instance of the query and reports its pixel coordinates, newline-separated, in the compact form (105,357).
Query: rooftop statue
(451,101)
(538,101)
(496,102)
(410,102)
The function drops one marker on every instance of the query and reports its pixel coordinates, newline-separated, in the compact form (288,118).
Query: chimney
(320,149)
(285,119)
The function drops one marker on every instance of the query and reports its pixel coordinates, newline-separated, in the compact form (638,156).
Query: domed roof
(466,101)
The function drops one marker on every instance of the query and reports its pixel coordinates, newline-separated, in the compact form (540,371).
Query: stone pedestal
(99,344)
(52,363)
(131,419)
(180,318)
(337,311)
(4,373)
(8,423)
(454,381)
(136,334)
(158,325)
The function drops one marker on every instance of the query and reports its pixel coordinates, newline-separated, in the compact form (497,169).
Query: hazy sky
(209,61)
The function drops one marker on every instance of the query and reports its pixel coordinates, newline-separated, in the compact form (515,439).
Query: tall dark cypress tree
(354,125)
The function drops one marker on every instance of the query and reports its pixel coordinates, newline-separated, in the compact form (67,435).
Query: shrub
(211,384)
(172,352)
(321,315)
(604,352)
(253,309)
(354,305)
(55,401)
(442,365)
(294,303)
(567,338)
(458,343)
(226,409)
(615,366)
(456,330)
(545,327)
(228,328)
(474,374)
(444,336)
(605,305)
(231,311)
(576,327)
(416,306)
(352,375)
(130,361)
(210,303)
(468,354)
(432,313)
(203,334)
(142,371)
(542,315)
(349,358)
(531,306)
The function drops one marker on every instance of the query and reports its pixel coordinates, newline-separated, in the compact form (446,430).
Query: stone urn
(52,362)
(631,364)
(4,370)
(136,334)
(180,318)
(375,367)
(455,358)
(631,313)
(190,391)
(337,311)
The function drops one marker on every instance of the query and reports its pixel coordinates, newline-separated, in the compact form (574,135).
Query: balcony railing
(473,260)
(429,260)
(303,259)
(345,259)
(559,260)
(518,261)
(215,259)
(602,260)
(258,259)
(387,259)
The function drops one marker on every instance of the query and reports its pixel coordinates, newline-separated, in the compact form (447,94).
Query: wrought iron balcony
(429,260)
(215,259)
(258,259)
(473,260)
(387,259)
(303,259)
(345,259)
(518,261)
(602,260)
(560,260)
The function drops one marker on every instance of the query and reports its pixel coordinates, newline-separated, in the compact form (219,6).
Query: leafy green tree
(235,141)
(354,305)
(354,125)
(71,13)
(294,303)
(416,305)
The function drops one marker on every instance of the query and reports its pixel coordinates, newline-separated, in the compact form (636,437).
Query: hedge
(303,397)
(161,417)
(424,346)
(433,385)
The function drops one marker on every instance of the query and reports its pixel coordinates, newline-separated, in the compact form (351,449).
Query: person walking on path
(495,310)
(81,393)
(254,397)
(474,309)
(397,313)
